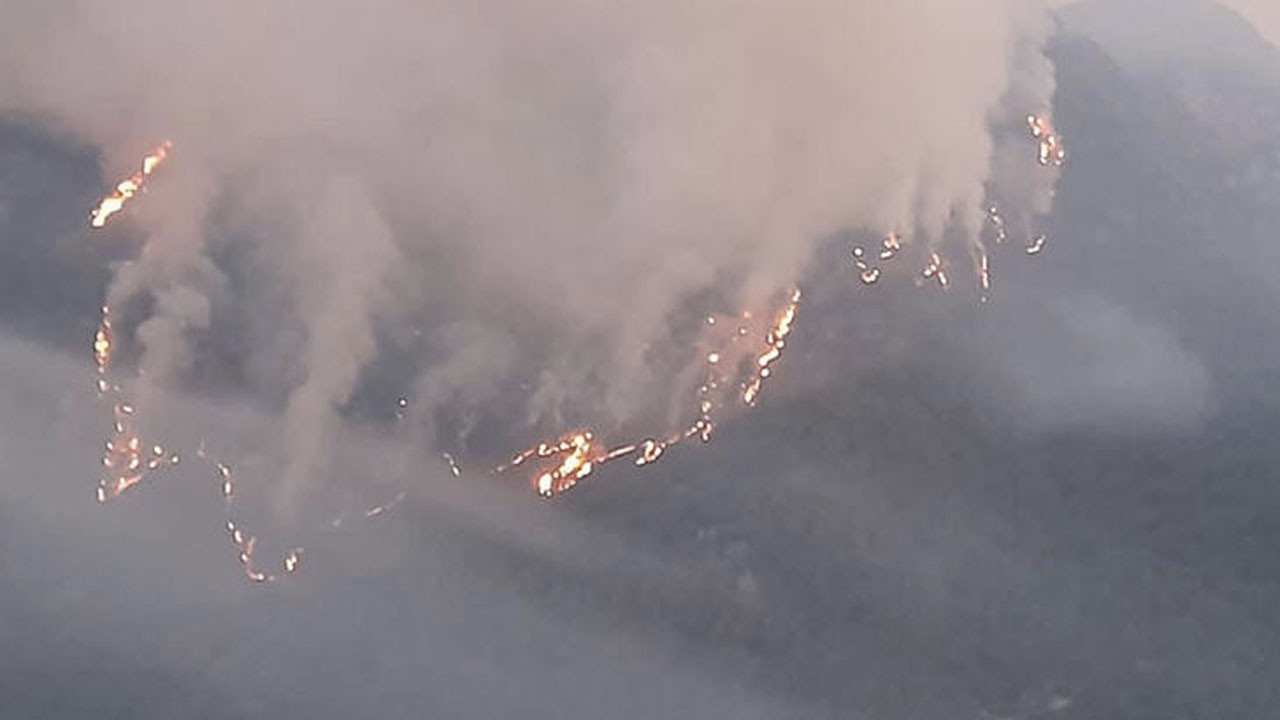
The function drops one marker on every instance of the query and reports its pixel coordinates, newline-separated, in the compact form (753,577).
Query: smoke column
(556,184)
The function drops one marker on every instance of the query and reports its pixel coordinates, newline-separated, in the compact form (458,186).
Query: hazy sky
(1265,15)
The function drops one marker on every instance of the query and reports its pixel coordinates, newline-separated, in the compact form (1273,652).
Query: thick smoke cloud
(564,181)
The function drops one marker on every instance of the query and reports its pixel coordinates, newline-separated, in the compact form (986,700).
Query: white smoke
(559,177)
(1024,190)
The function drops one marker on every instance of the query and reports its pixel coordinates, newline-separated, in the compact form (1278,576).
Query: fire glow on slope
(577,454)
(129,187)
(735,373)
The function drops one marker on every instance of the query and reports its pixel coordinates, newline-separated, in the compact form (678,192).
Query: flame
(244,546)
(997,221)
(129,187)
(292,559)
(1052,151)
(574,456)
(102,342)
(579,453)
(936,270)
(125,460)
(775,341)
(890,246)
(578,450)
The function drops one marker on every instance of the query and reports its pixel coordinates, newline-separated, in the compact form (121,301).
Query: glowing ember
(374,512)
(131,186)
(936,270)
(127,460)
(775,342)
(997,221)
(870,274)
(890,246)
(650,451)
(579,454)
(1052,152)
(732,369)
(984,273)
(102,345)
(576,465)
(453,464)
(244,545)
(292,559)
(124,460)
(224,473)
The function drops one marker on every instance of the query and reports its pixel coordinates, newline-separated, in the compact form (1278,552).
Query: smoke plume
(562,183)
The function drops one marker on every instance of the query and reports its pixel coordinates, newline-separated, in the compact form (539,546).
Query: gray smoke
(564,179)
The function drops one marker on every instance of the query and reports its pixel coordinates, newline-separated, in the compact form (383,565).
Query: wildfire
(936,270)
(578,450)
(997,221)
(1052,151)
(129,187)
(775,341)
(984,273)
(243,543)
(126,459)
(734,371)
(292,559)
(102,342)
(579,453)
(890,246)
(378,510)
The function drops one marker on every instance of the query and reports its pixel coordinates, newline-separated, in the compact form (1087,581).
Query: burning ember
(129,187)
(1052,151)
(936,270)
(734,371)
(579,453)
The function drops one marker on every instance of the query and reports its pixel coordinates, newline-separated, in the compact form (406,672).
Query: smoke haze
(567,178)
(393,229)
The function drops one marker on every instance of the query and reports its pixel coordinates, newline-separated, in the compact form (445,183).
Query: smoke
(476,355)
(1024,191)
(345,254)
(567,180)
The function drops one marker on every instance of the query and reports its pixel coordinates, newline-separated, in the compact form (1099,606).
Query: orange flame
(580,454)
(129,187)
(775,341)
(936,270)
(102,342)
(1052,151)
